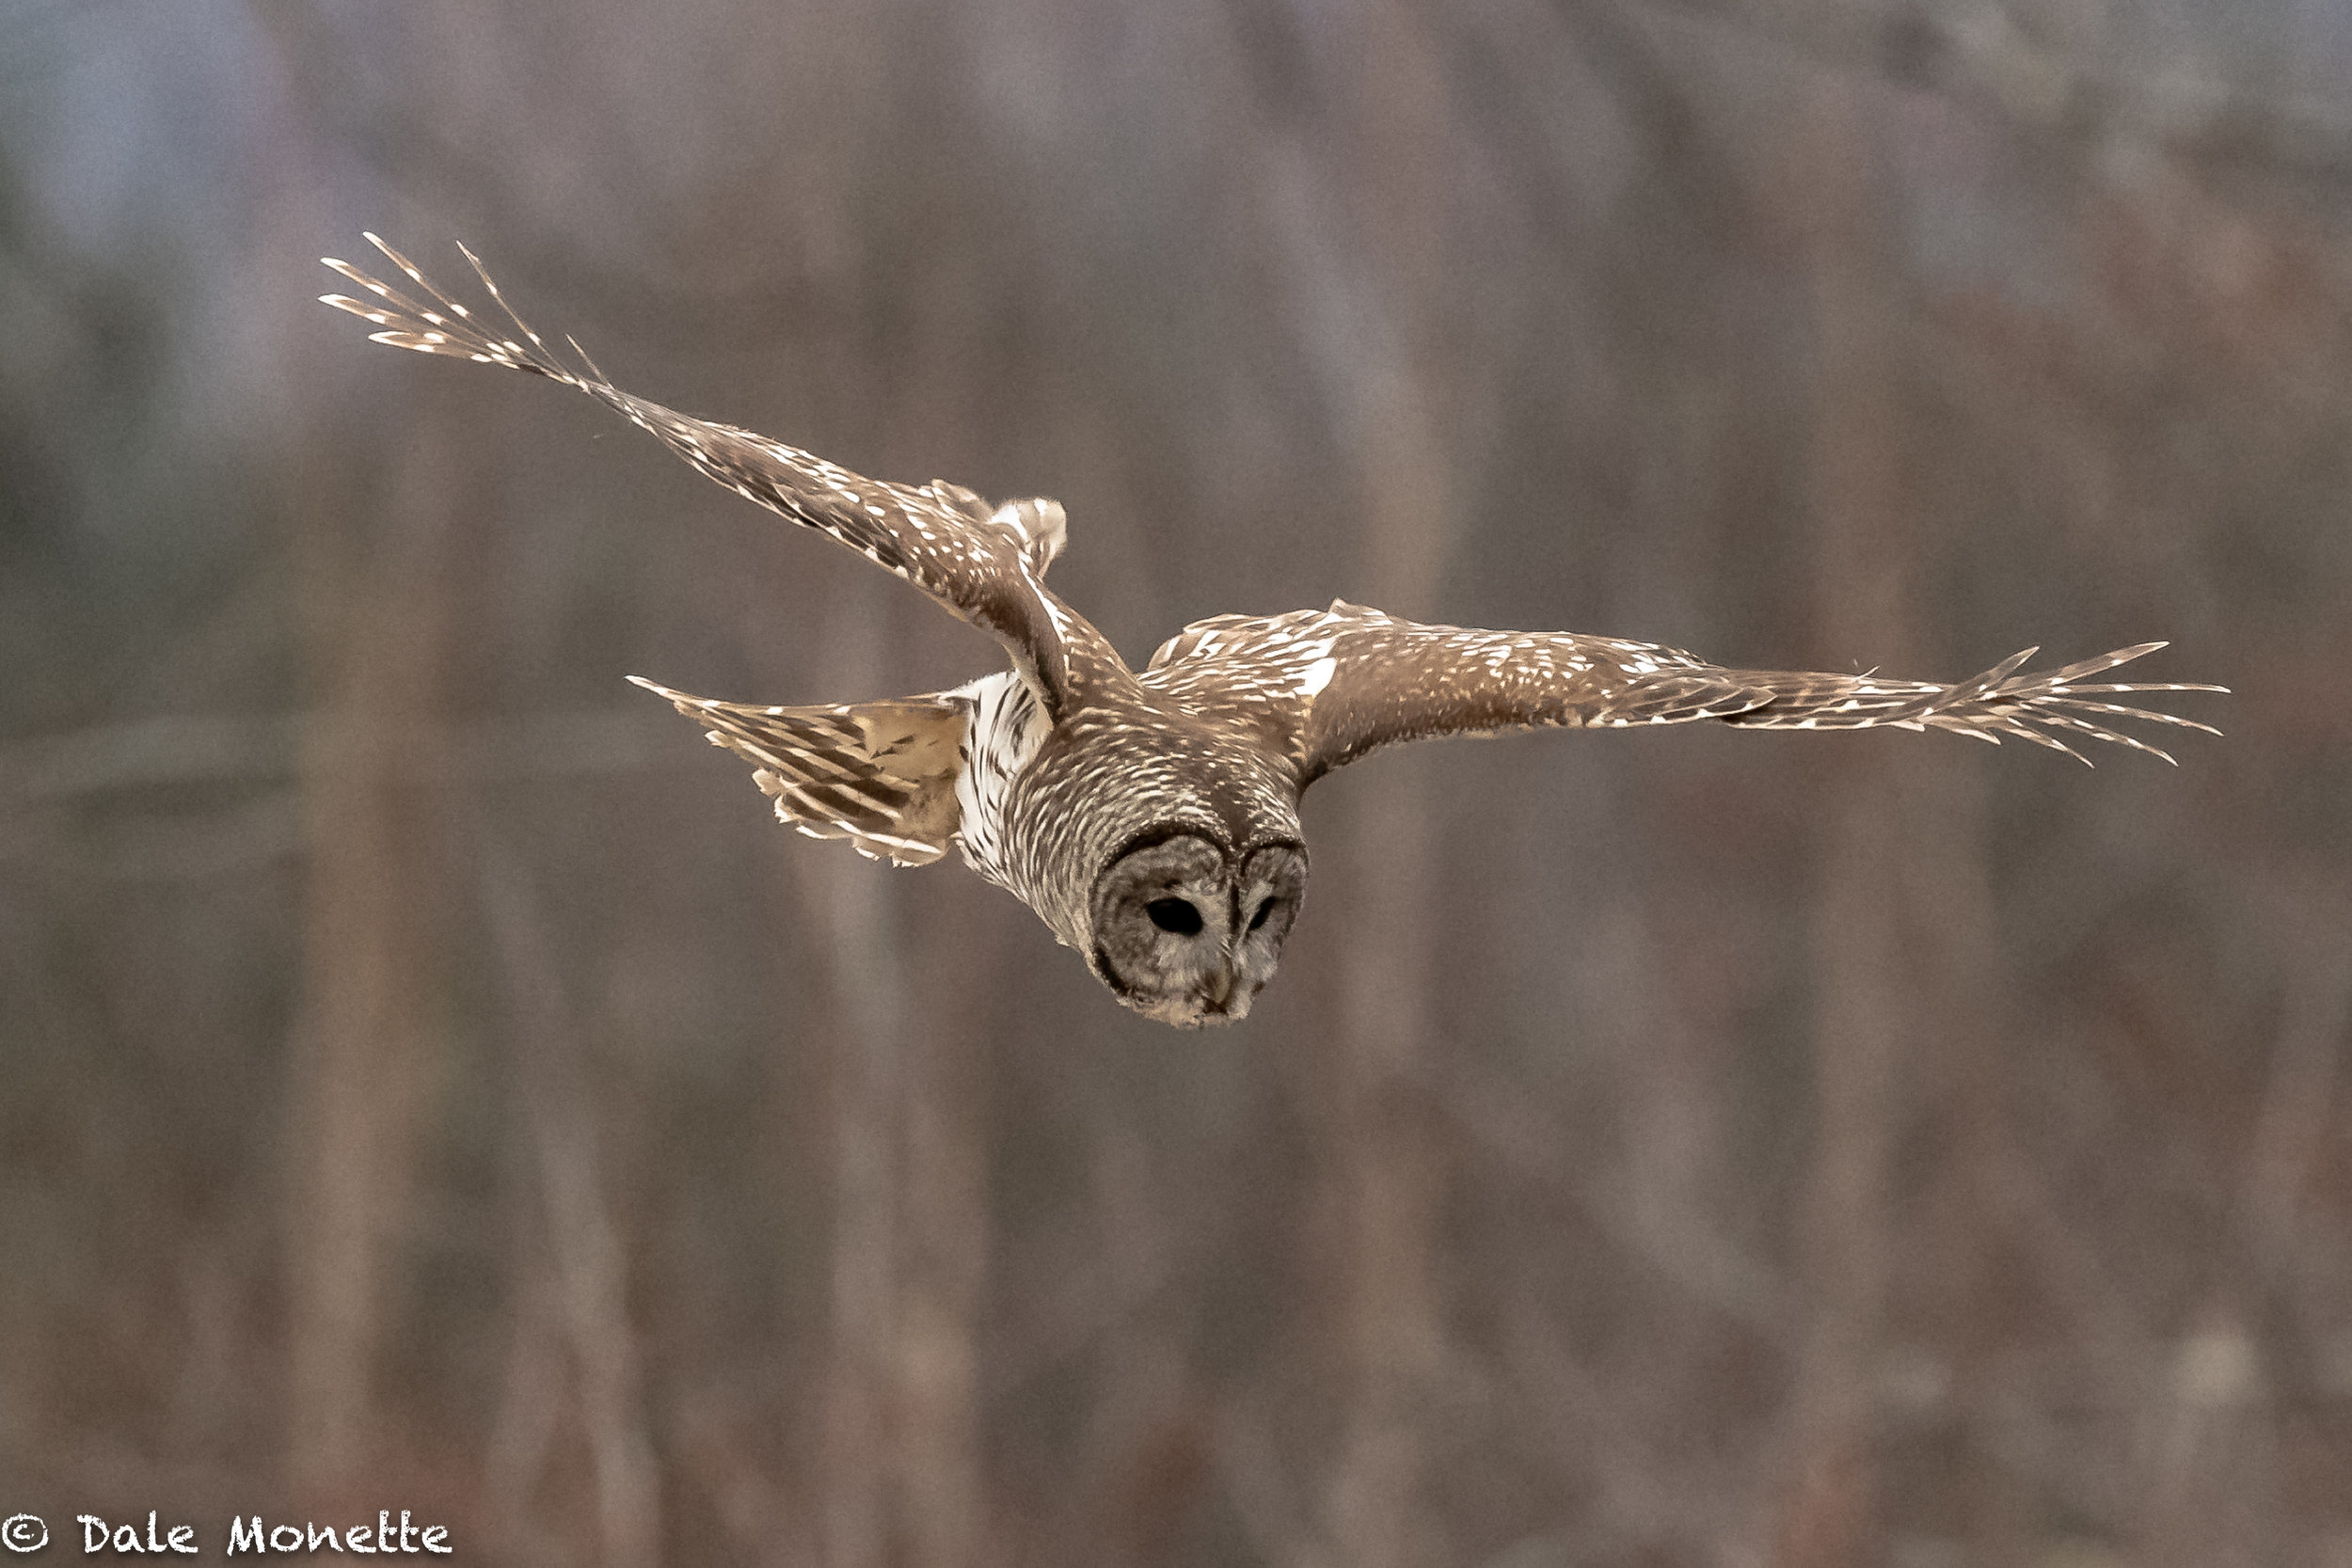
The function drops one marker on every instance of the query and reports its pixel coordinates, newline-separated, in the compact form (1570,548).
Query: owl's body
(1150,818)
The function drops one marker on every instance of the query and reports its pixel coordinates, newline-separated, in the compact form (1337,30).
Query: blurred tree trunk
(577,1292)
(944,1241)
(902,1479)
(1828,1514)
(1972,1206)
(1380,353)
(849,915)
(362,1032)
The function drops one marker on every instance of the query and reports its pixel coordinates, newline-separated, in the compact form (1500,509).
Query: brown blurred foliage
(428,1078)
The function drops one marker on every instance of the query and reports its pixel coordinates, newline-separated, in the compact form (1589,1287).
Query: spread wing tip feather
(983,567)
(2041,707)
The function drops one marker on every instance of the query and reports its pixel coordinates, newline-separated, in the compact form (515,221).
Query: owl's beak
(1224,999)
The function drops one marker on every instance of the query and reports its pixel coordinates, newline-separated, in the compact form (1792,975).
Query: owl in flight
(1150,818)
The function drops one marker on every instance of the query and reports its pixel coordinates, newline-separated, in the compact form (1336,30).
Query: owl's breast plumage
(1008,728)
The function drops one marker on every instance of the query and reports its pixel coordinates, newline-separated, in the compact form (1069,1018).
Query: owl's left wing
(1335,684)
(984,563)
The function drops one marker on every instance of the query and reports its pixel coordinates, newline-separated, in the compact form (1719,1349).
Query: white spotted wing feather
(1329,686)
(984,563)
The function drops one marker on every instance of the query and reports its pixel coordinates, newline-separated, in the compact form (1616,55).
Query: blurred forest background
(430,1079)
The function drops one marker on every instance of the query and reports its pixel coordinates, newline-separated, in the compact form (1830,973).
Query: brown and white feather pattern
(1337,683)
(883,775)
(1091,791)
(984,564)
(1009,725)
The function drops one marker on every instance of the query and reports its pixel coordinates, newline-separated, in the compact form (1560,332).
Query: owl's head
(1187,930)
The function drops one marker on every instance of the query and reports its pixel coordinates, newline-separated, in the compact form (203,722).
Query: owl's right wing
(984,563)
(1329,686)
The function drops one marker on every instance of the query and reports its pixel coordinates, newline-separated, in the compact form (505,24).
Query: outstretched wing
(882,775)
(983,563)
(1332,685)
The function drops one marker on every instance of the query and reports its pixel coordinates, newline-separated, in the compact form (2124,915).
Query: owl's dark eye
(1174,914)
(1264,910)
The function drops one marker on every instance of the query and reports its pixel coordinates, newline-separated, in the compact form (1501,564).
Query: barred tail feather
(882,775)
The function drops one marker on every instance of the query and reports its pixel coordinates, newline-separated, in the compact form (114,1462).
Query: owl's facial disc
(1187,934)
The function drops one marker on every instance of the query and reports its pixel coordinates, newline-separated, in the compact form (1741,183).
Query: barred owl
(1150,816)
